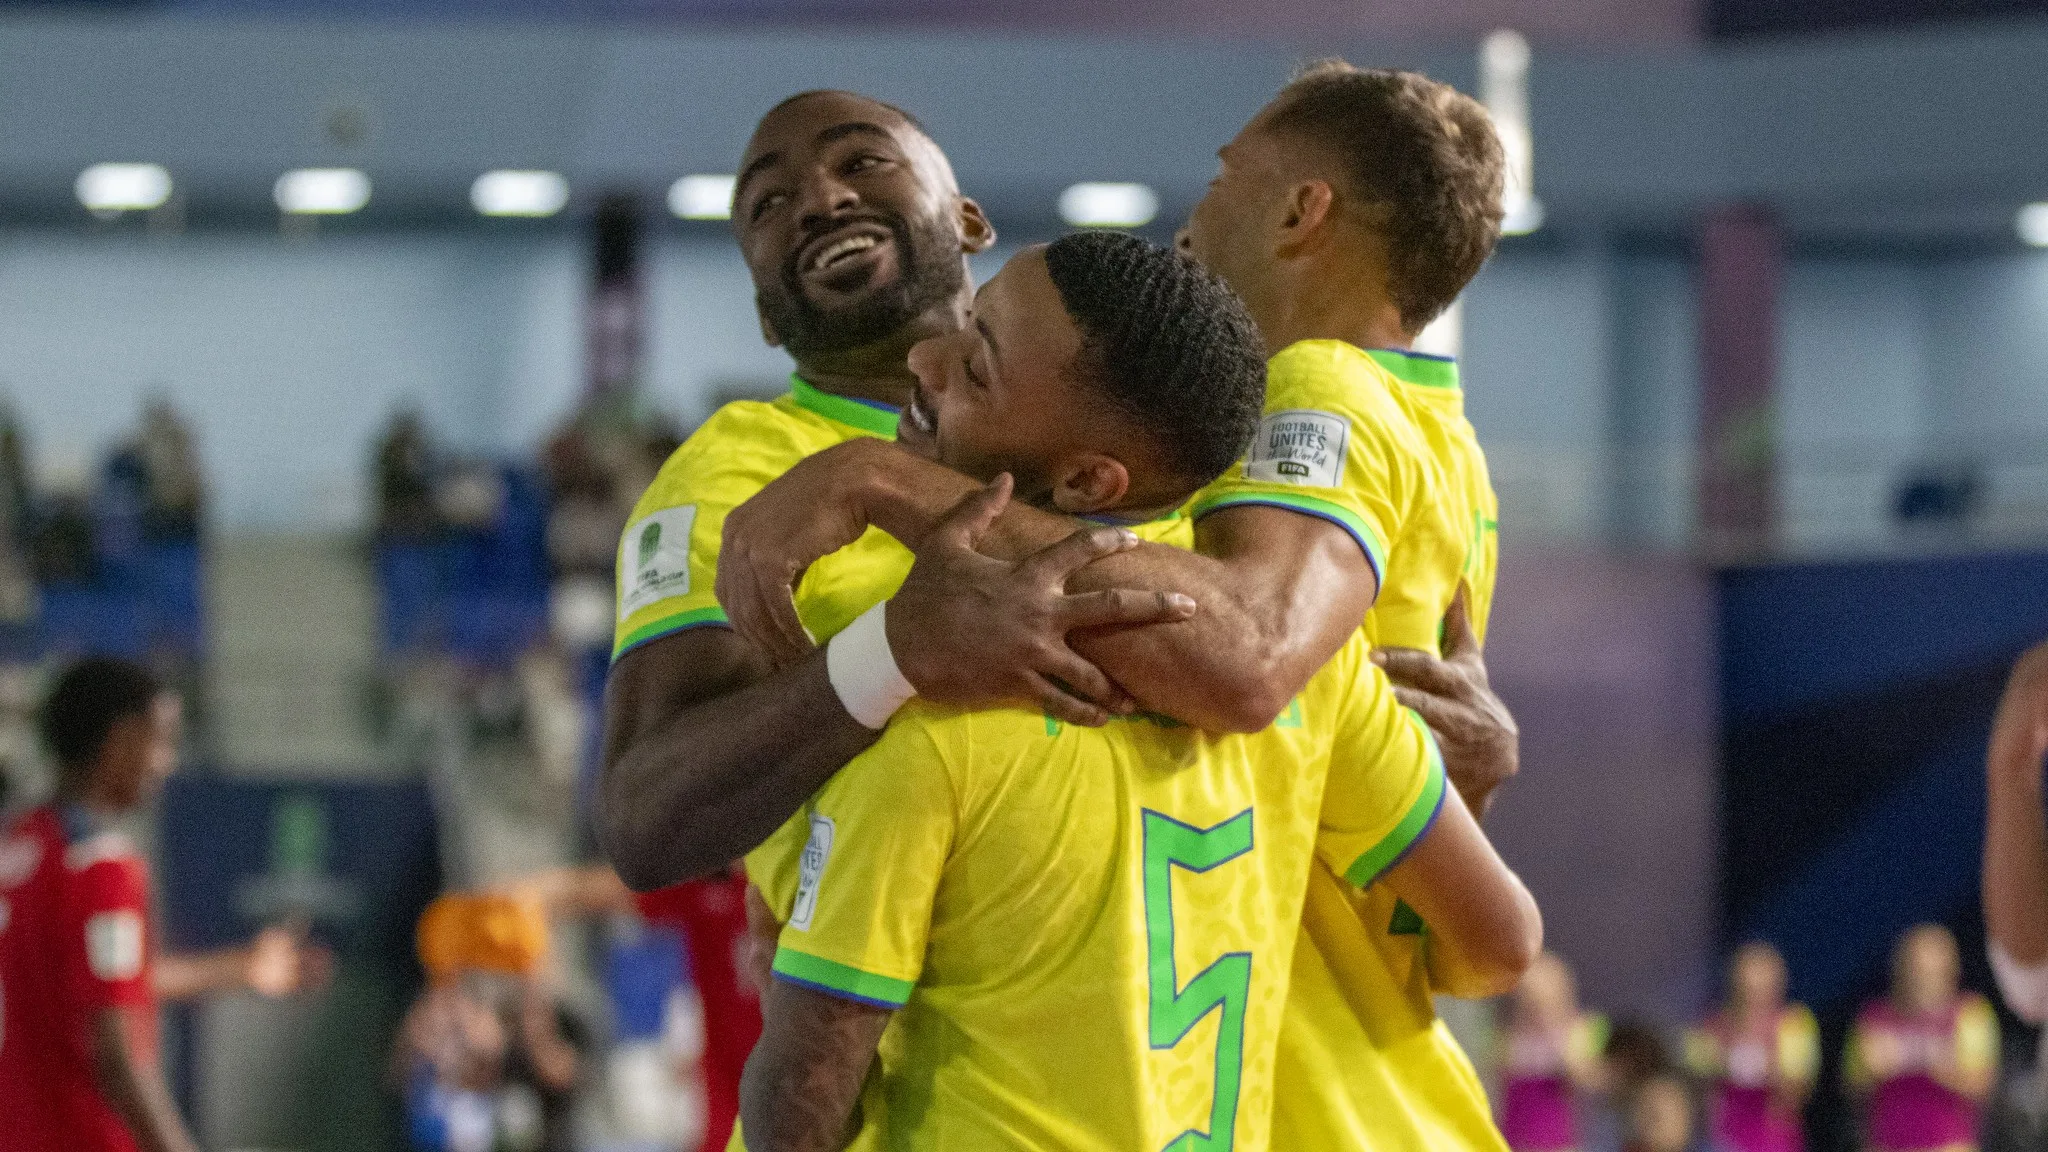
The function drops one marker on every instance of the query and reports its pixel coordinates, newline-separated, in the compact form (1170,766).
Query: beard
(932,273)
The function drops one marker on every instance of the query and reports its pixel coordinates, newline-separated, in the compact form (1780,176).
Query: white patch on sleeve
(113,945)
(654,558)
(1299,446)
(811,872)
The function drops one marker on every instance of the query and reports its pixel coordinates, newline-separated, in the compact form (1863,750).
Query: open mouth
(920,415)
(842,247)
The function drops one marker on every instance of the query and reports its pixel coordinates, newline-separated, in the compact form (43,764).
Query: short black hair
(1423,152)
(1167,344)
(806,94)
(90,698)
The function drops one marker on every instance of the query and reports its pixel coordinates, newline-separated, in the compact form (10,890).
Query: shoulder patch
(811,872)
(654,558)
(113,945)
(1299,446)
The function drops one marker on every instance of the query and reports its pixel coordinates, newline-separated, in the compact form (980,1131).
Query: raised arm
(2016,840)
(135,1089)
(1278,592)
(707,751)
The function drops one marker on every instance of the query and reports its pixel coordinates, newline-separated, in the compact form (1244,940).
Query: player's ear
(976,233)
(1088,483)
(1309,206)
(769,335)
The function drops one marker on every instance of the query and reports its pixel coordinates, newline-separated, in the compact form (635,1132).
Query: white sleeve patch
(113,945)
(654,558)
(1299,446)
(811,872)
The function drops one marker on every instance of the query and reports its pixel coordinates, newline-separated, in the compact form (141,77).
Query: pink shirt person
(1925,1059)
(1758,1056)
(1550,1053)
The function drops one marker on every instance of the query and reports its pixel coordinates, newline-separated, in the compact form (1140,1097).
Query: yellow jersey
(1363,1060)
(668,555)
(1087,932)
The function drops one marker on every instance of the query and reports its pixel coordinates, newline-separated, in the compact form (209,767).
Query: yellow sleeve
(1386,780)
(1855,1071)
(1333,444)
(1798,1045)
(668,555)
(877,840)
(1702,1054)
(1977,1036)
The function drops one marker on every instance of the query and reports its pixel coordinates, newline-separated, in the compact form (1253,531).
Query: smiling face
(998,396)
(851,225)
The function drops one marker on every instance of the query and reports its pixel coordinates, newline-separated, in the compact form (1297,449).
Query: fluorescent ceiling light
(124,187)
(702,197)
(322,191)
(2033,224)
(1108,205)
(507,192)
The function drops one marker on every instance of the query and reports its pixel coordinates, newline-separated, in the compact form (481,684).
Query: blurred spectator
(712,916)
(1660,1116)
(489,1057)
(174,490)
(1924,1060)
(61,549)
(1759,1056)
(405,480)
(1551,1054)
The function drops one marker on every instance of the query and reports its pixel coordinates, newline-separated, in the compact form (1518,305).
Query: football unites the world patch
(811,872)
(1298,446)
(654,558)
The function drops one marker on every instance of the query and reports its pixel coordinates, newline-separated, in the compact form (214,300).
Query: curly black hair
(1165,343)
(1423,153)
(90,698)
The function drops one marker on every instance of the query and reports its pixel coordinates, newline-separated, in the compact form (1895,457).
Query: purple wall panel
(1608,663)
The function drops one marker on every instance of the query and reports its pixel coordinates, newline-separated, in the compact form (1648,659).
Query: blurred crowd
(1920,1065)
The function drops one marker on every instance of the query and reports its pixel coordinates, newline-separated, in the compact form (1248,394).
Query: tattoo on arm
(801,1091)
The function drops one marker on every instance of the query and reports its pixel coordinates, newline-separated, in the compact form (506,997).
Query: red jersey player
(78,974)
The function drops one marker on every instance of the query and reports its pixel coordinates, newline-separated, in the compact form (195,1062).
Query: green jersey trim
(1369,541)
(694,618)
(1417,368)
(844,981)
(873,418)
(1388,852)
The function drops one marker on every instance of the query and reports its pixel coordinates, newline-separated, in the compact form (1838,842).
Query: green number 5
(1225,984)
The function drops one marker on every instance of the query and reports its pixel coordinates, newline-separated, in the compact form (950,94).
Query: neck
(1321,300)
(880,370)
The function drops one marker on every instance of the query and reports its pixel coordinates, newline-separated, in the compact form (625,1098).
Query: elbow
(1252,700)
(1496,965)
(649,853)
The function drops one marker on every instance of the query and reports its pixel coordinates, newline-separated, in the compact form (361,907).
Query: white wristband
(863,670)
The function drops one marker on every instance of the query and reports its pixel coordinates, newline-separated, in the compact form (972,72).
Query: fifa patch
(113,945)
(811,872)
(1299,446)
(654,558)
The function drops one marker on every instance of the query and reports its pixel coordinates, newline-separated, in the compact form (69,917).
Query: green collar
(1418,368)
(870,416)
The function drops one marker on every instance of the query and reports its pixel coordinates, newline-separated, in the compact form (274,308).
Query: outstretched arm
(1278,592)
(2016,839)
(801,1090)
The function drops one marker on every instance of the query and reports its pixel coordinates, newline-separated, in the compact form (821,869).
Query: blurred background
(337,338)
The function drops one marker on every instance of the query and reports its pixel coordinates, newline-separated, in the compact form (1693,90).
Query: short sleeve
(1332,444)
(1977,1036)
(1799,1045)
(1386,782)
(107,952)
(668,554)
(876,841)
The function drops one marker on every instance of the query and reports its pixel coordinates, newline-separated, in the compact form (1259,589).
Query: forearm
(135,1091)
(2016,854)
(1458,966)
(801,1088)
(1484,927)
(190,975)
(689,793)
(1270,611)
